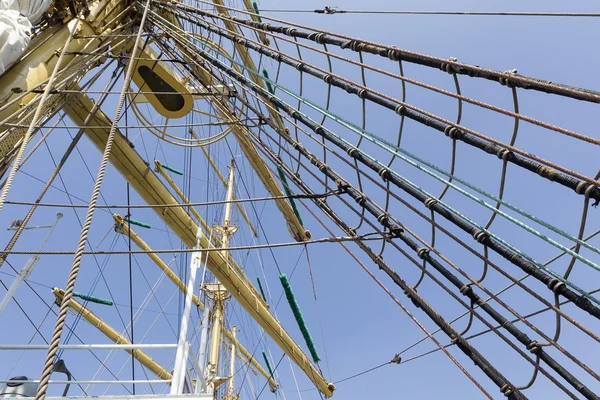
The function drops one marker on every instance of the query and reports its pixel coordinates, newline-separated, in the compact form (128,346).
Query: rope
(467,291)
(338,239)
(551,362)
(335,10)
(36,116)
(489,370)
(206,203)
(399,54)
(524,159)
(502,247)
(62,315)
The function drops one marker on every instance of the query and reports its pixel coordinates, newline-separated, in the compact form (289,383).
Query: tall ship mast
(227,199)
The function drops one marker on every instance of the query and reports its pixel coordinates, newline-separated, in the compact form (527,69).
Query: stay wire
(335,10)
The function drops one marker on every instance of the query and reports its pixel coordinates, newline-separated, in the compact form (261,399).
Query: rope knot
(555,285)
(383,219)
(396,231)
(384,173)
(533,346)
(430,202)
(505,80)
(360,200)
(342,185)
(449,68)
(504,154)
(582,187)
(400,109)
(423,252)
(506,390)
(466,290)
(393,54)
(451,132)
(319,37)
(480,235)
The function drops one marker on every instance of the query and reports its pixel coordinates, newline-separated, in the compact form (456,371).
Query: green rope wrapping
(272,91)
(256,11)
(262,292)
(299,318)
(288,192)
(268,364)
(268,82)
(138,223)
(173,170)
(93,299)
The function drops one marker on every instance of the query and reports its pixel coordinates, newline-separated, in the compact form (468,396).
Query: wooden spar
(113,335)
(256,161)
(244,354)
(145,182)
(222,179)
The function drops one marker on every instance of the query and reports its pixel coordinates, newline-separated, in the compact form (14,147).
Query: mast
(219,294)
(244,355)
(231,387)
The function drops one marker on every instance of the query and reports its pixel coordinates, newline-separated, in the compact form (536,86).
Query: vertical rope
(64,307)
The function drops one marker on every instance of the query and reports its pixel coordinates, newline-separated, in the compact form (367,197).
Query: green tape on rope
(268,82)
(268,364)
(138,223)
(272,91)
(262,292)
(256,11)
(93,299)
(288,192)
(173,170)
(299,318)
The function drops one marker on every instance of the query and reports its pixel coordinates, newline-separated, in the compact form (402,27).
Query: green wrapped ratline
(288,192)
(299,318)
(256,11)
(268,364)
(268,82)
(272,91)
(173,170)
(92,299)
(262,292)
(138,223)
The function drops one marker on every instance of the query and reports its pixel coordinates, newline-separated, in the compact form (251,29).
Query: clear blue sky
(360,326)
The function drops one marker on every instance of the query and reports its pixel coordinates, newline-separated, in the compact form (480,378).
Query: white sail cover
(16,19)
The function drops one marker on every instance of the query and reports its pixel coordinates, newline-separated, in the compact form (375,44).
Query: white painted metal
(201,385)
(180,357)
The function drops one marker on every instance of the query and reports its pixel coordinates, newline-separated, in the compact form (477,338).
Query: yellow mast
(113,335)
(218,293)
(222,179)
(129,163)
(243,353)
(216,290)
(231,387)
